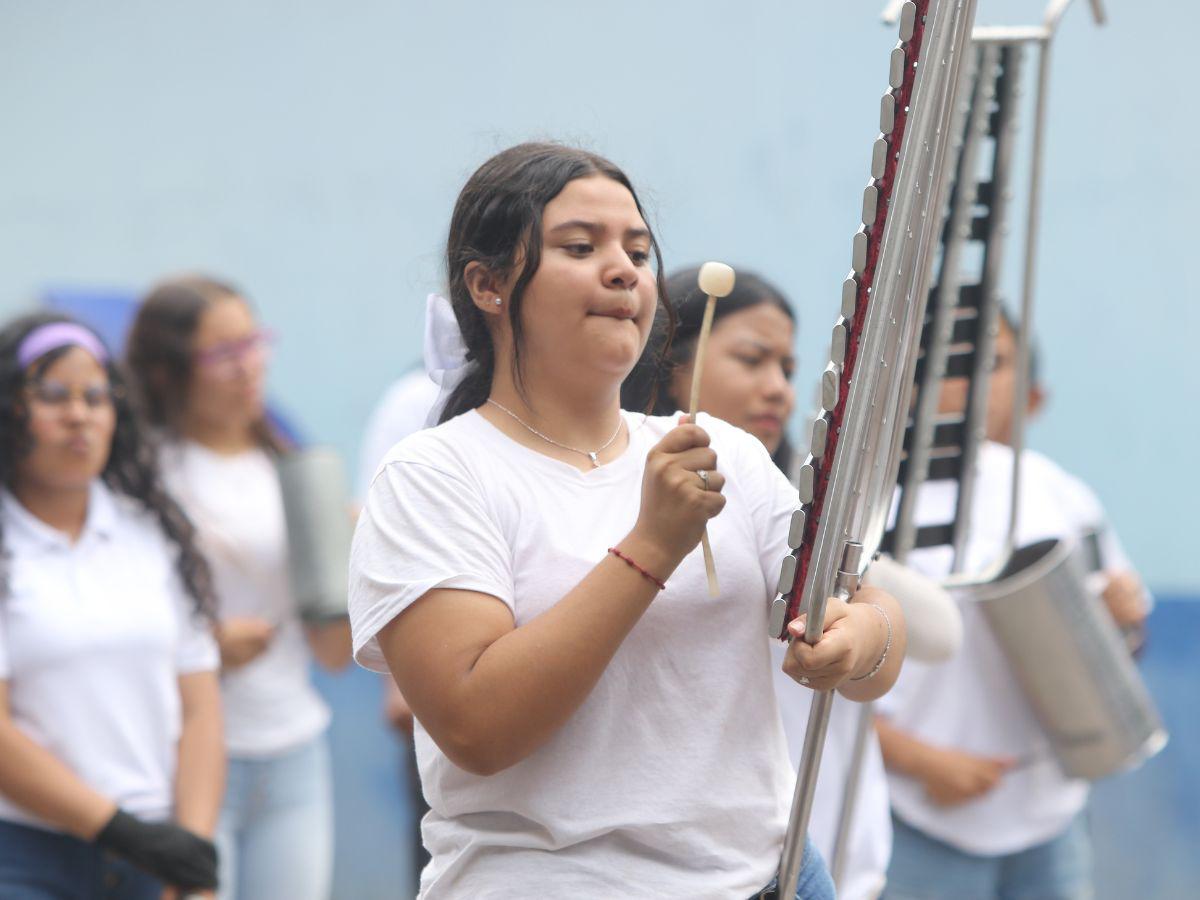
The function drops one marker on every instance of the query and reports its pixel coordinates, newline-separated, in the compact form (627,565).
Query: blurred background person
(747,381)
(110,737)
(200,358)
(982,807)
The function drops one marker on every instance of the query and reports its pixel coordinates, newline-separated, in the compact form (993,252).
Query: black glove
(165,850)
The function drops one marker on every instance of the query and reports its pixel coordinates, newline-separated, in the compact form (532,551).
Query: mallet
(716,280)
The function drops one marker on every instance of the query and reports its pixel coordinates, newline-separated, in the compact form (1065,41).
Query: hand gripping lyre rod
(846,485)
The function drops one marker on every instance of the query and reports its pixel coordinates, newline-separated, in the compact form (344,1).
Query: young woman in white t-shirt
(110,732)
(591,723)
(199,357)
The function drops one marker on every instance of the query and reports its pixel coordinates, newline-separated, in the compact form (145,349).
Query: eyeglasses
(58,396)
(223,359)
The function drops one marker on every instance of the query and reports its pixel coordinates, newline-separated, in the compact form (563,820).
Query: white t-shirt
(236,504)
(973,703)
(870,838)
(93,638)
(672,778)
(401,411)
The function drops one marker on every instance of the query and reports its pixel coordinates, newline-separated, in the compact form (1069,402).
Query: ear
(1037,400)
(485,288)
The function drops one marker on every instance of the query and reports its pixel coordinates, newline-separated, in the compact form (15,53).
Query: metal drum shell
(316,503)
(1071,662)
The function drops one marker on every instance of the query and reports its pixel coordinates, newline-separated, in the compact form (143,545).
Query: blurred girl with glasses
(200,359)
(110,733)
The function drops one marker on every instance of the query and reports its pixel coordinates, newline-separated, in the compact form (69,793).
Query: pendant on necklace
(592,456)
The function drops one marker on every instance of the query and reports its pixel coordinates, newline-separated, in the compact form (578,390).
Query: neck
(582,417)
(226,438)
(64,509)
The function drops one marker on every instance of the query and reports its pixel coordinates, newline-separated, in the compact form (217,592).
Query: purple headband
(46,338)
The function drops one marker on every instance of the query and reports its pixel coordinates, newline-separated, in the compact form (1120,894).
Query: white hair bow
(445,352)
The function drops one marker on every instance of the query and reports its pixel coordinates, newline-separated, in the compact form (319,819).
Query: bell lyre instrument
(848,480)
(1088,696)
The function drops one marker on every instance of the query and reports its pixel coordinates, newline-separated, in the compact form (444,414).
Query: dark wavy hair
(648,386)
(132,466)
(498,220)
(159,353)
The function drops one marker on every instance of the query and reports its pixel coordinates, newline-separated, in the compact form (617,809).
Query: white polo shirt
(973,703)
(93,637)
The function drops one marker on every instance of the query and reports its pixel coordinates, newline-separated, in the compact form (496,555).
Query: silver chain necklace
(590,454)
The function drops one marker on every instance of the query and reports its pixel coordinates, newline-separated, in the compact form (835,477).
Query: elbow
(477,751)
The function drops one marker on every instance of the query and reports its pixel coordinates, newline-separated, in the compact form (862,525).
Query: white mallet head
(716,279)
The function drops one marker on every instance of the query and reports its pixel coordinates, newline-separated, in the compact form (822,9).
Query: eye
(98,395)
(750,361)
(51,392)
(578,248)
(639,257)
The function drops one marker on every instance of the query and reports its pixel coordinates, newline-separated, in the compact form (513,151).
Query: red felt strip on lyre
(903,96)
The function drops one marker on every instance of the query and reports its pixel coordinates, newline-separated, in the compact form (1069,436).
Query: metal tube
(841,840)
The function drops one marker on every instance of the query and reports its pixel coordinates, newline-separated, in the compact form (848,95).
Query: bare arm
(950,777)
(490,693)
(330,643)
(36,780)
(200,773)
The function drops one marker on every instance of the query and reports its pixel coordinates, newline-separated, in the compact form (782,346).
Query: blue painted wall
(312,152)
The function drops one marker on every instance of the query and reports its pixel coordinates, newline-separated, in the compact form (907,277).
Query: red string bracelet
(629,562)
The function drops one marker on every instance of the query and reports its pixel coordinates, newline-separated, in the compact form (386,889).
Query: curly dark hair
(132,467)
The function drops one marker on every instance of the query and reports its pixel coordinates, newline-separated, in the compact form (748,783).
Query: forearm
(37,781)
(902,753)
(330,643)
(200,770)
(872,687)
(522,687)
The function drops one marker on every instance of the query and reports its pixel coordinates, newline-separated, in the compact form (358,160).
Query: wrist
(877,626)
(650,555)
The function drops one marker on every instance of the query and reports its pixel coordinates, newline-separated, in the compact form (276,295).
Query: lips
(767,423)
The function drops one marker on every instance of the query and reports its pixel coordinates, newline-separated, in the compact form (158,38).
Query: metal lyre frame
(848,480)
(996,51)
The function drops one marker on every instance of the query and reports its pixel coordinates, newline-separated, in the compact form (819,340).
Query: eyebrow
(596,228)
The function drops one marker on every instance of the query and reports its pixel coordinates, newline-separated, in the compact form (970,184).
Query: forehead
(224,319)
(595,198)
(74,365)
(763,323)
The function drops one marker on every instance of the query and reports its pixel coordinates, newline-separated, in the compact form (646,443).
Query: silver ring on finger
(804,680)
(703,478)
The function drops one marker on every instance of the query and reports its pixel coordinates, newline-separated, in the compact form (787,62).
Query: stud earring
(498,301)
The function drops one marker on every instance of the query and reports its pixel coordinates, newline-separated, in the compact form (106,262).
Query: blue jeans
(814,882)
(48,865)
(275,835)
(926,869)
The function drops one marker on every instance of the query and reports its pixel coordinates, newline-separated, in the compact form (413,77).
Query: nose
(619,272)
(776,384)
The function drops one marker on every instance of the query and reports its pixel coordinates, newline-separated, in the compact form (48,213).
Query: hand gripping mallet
(716,280)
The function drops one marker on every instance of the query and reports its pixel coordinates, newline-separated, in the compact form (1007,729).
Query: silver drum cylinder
(316,503)
(1071,661)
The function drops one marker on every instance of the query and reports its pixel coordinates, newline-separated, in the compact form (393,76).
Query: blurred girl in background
(200,357)
(110,734)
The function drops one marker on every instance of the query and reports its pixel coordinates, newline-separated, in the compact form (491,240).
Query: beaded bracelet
(886,646)
(661,585)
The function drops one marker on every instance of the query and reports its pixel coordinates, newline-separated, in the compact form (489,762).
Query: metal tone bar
(930,369)
(1007,98)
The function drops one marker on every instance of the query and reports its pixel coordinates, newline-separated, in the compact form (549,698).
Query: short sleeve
(421,528)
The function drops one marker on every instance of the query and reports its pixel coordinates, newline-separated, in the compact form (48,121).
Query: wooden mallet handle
(716,280)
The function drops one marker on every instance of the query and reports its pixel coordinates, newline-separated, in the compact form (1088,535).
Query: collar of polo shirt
(101,519)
